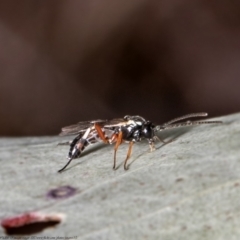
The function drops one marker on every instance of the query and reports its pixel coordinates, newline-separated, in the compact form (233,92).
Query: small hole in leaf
(30,223)
(61,192)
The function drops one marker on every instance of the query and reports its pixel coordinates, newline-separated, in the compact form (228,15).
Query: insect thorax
(137,128)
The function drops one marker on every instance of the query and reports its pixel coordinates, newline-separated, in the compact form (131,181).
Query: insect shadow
(168,137)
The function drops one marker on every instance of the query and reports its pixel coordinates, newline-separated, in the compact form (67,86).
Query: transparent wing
(114,122)
(81,127)
(74,129)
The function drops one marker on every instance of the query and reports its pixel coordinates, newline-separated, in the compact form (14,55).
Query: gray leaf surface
(186,189)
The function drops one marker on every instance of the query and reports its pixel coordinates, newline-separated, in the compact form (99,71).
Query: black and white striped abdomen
(80,143)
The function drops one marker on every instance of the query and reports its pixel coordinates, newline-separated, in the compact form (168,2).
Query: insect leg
(128,155)
(100,133)
(152,146)
(118,142)
(159,139)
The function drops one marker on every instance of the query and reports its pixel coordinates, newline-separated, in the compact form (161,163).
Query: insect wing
(114,123)
(77,128)
(83,126)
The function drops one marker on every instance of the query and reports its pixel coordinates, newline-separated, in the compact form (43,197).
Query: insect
(129,129)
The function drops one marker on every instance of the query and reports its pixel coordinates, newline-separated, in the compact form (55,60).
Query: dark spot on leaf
(160,187)
(30,223)
(183,228)
(61,192)
(179,179)
(151,227)
(212,175)
(207,227)
(236,184)
(104,197)
(229,218)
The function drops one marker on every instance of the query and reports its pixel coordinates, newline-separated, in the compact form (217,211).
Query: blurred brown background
(64,61)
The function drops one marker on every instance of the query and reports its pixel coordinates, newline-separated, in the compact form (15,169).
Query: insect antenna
(188,123)
(170,125)
(202,114)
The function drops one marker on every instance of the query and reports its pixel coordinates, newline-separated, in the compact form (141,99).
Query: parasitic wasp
(129,129)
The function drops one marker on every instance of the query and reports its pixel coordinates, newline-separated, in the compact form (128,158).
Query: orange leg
(119,141)
(113,138)
(128,155)
(100,133)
